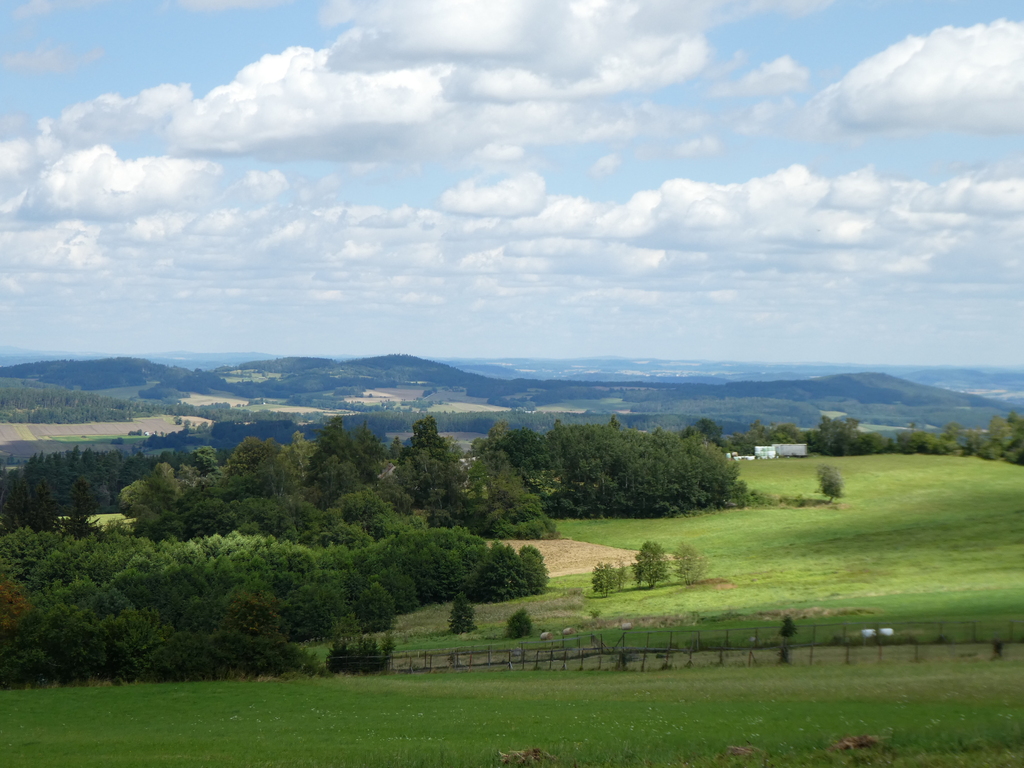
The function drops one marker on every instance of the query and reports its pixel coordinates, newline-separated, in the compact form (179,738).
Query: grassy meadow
(915,537)
(926,715)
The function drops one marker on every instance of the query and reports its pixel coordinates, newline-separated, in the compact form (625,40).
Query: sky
(772,180)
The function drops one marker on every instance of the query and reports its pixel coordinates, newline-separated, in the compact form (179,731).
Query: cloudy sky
(776,180)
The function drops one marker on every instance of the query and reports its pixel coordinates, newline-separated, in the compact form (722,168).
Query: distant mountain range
(872,397)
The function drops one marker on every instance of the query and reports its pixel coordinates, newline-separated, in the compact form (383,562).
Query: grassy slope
(940,714)
(915,537)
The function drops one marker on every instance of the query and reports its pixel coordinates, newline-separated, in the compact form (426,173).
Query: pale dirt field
(194,398)
(465,408)
(26,439)
(151,424)
(565,557)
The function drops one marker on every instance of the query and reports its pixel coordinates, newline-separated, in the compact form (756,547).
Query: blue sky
(780,180)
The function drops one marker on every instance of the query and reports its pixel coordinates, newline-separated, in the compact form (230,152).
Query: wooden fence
(845,643)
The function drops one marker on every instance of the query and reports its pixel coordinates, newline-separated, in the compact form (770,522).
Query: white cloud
(772,78)
(791,244)
(263,186)
(419,81)
(605,166)
(46,59)
(112,116)
(702,146)
(954,79)
(96,183)
(516,196)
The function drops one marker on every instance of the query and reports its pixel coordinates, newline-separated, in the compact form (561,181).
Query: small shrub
(519,624)
(691,564)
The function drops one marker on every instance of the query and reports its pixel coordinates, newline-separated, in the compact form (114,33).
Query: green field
(966,714)
(915,537)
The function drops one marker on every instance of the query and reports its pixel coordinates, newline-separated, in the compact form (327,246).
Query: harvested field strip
(565,557)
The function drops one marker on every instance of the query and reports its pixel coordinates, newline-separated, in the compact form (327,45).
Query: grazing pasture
(924,715)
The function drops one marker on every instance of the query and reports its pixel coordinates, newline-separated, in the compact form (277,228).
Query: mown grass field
(934,715)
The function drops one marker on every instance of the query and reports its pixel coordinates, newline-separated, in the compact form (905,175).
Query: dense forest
(229,558)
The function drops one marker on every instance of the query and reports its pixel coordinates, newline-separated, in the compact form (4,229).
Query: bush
(603,579)
(651,564)
(691,565)
(830,482)
(519,624)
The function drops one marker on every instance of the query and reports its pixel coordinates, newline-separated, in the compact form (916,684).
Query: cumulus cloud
(792,243)
(48,60)
(773,78)
(515,196)
(112,116)
(954,79)
(97,183)
(417,81)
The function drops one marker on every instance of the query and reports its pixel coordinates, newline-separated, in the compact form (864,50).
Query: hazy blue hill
(283,365)
(107,373)
(868,388)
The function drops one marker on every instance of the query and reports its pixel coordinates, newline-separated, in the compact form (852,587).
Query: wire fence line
(845,643)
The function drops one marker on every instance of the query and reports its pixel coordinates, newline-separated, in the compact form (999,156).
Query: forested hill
(324,383)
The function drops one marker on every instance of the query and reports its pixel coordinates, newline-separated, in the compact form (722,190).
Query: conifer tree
(77,522)
(462,618)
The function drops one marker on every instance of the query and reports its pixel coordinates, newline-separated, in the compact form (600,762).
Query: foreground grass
(915,537)
(926,714)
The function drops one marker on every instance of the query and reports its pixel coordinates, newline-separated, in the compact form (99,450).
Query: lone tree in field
(651,564)
(519,624)
(830,482)
(691,564)
(462,616)
(603,579)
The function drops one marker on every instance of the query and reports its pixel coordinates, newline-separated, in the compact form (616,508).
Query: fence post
(670,639)
(430,662)
(470,662)
(698,639)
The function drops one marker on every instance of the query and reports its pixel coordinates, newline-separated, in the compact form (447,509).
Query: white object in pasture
(886,632)
(545,635)
(568,631)
(625,625)
(867,633)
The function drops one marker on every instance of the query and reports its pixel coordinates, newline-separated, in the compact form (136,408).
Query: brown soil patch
(564,557)
(525,756)
(854,742)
